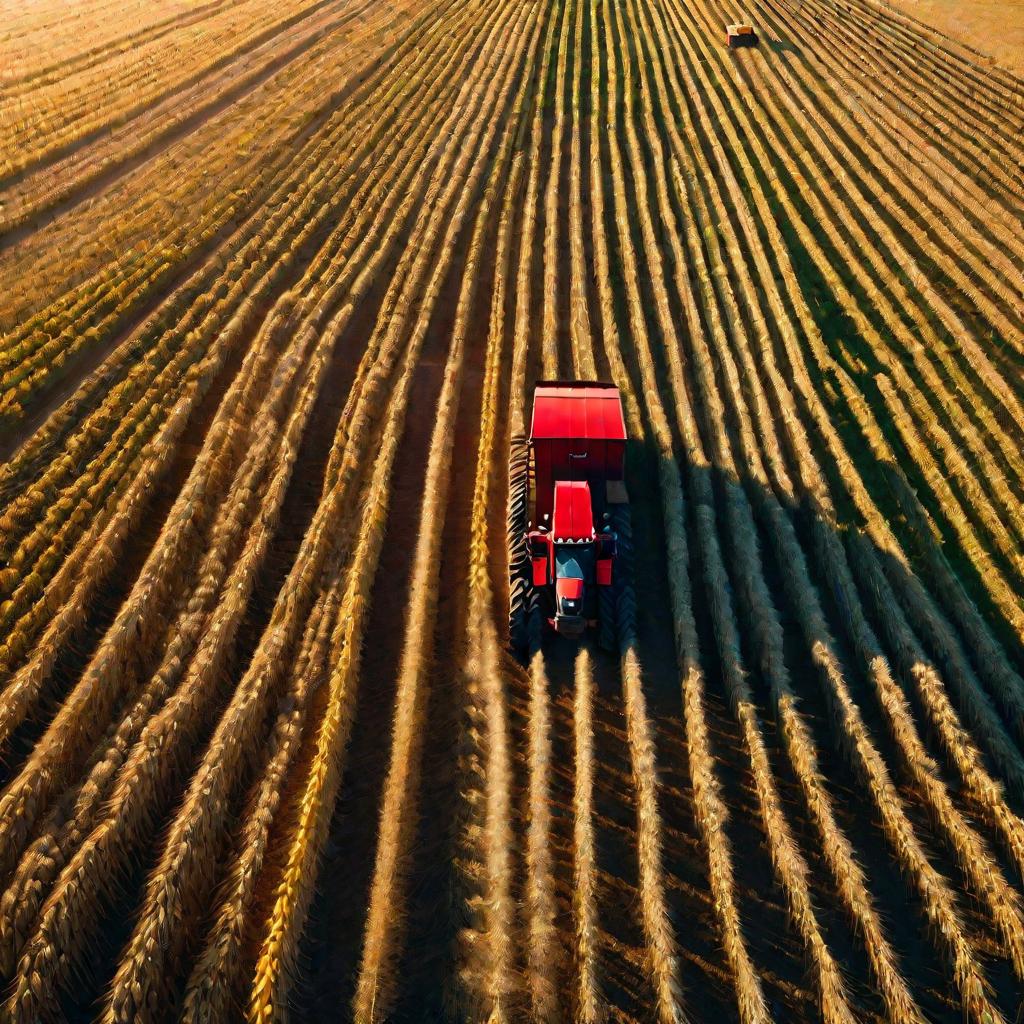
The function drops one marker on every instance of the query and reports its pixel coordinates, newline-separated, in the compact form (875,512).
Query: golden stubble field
(276,281)
(994,29)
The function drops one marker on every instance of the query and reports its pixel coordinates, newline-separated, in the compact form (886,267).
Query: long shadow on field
(775,945)
(430,961)
(430,958)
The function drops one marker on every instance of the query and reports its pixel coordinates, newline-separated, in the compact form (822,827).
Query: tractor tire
(519,590)
(623,594)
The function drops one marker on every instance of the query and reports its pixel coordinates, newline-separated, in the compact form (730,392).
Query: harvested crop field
(993,29)
(278,280)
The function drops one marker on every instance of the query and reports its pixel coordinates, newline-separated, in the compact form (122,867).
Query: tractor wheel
(519,589)
(624,626)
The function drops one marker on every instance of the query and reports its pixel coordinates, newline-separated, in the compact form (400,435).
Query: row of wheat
(154,253)
(52,117)
(806,357)
(149,771)
(756,426)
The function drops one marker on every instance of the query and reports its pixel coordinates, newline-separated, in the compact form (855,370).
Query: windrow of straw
(823,370)
(180,886)
(178,645)
(541,903)
(216,976)
(487,981)
(76,901)
(489,942)
(927,89)
(140,613)
(662,946)
(294,889)
(581,335)
(231,147)
(246,282)
(224,294)
(932,363)
(376,982)
(790,556)
(848,873)
(709,808)
(992,660)
(216,981)
(131,83)
(219,175)
(999,321)
(224,637)
(786,856)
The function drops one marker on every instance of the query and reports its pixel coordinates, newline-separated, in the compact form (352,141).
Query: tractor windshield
(576,562)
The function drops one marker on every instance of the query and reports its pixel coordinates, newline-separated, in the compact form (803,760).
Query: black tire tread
(519,590)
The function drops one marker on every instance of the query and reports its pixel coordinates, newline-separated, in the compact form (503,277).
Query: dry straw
(376,982)
(294,890)
(709,810)
(788,559)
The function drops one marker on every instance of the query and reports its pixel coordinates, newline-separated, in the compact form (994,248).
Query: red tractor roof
(565,409)
(573,518)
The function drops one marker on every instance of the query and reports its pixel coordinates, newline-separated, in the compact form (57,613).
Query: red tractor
(568,514)
(740,35)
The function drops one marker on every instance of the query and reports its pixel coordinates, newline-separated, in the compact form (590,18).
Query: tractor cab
(572,558)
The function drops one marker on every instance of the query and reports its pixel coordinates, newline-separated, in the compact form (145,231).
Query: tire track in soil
(563,781)
(560,667)
(622,955)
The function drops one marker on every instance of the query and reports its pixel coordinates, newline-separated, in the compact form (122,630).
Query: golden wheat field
(277,279)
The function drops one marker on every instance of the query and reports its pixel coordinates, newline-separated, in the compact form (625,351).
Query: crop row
(812,309)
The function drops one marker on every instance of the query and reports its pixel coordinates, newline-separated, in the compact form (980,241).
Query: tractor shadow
(780,46)
(773,942)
